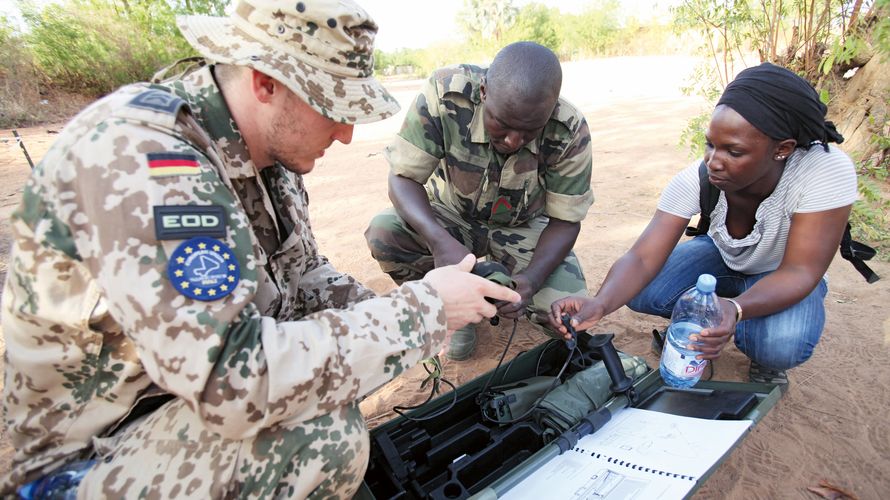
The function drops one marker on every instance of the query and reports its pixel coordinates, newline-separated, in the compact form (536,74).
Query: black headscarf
(780,104)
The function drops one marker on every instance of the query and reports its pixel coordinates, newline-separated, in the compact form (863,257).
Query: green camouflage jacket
(444,145)
(95,315)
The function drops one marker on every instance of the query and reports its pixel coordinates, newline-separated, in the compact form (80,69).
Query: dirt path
(831,425)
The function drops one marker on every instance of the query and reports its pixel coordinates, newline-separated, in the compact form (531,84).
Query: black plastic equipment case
(460,453)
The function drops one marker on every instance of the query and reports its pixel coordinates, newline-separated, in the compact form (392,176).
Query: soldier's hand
(525,289)
(449,251)
(464,293)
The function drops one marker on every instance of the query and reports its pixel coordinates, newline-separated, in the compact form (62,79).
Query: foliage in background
(19,80)
(536,23)
(881,32)
(487,19)
(94,46)
(872,213)
(869,219)
(420,63)
(26,96)
(595,31)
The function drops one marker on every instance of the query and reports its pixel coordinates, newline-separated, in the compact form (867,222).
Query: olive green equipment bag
(586,391)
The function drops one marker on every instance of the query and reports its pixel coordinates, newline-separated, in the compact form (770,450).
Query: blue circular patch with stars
(204,269)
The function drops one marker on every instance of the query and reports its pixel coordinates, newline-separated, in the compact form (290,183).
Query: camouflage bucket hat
(323,50)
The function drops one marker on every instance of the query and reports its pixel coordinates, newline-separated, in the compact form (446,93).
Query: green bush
(869,220)
(592,32)
(881,32)
(20,82)
(634,39)
(871,214)
(94,46)
(536,23)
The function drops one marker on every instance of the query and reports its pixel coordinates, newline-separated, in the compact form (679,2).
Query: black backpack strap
(857,253)
(707,199)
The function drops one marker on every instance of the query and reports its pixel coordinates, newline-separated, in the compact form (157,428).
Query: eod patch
(177,222)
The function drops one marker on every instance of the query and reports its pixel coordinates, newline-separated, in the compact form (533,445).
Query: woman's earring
(780,157)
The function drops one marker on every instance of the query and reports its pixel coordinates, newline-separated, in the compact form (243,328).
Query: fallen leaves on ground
(830,491)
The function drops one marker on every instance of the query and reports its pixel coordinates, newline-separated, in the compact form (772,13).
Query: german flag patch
(164,164)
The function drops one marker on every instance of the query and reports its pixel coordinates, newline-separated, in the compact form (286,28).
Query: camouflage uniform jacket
(443,144)
(92,323)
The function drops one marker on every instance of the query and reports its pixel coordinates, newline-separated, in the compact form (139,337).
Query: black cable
(553,384)
(510,365)
(501,360)
(549,343)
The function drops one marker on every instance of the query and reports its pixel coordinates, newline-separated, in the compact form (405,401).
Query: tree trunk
(854,16)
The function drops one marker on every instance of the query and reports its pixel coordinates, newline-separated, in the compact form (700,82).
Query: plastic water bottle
(697,308)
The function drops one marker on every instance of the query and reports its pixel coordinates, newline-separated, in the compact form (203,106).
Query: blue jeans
(779,341)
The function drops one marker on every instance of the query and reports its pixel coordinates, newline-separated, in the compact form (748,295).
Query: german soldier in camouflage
(169,321)
(506,163)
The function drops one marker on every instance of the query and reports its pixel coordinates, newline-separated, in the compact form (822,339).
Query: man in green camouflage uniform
(171,328)
(506,166)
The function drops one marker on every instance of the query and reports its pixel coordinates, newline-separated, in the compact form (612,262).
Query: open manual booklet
(639,454)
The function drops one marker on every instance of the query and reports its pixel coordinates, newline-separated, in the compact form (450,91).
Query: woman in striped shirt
(786,194)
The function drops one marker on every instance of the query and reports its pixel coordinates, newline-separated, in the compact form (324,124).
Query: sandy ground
(832,424)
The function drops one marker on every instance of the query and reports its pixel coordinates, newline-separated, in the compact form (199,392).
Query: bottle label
(681,364)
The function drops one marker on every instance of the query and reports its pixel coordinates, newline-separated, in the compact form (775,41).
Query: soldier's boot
(463,341)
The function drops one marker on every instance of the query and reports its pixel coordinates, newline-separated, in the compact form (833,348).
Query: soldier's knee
(373,236)
(373,229)
(381,230)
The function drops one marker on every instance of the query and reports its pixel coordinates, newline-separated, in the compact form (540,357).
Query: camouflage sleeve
(321,285)
(419,146)
(568,181)
(239,370)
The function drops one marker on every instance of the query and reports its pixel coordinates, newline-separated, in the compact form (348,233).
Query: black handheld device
(567,322)
(496,272)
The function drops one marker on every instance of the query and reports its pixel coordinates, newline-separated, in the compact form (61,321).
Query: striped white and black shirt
(813,181)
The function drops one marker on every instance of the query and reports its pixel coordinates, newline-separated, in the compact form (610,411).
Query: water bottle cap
(706,283)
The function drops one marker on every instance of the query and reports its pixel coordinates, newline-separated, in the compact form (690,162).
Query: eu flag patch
(203,269)
(163,164)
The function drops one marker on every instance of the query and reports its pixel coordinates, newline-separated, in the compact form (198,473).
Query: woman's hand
(585,312)
(713,340)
